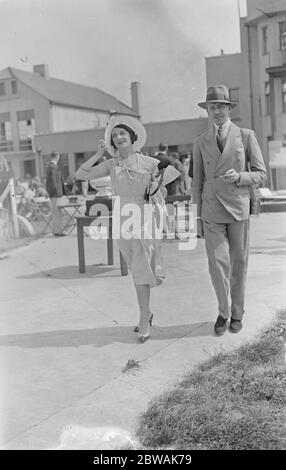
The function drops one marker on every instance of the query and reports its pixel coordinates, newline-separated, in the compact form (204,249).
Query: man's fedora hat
(131,122)
(217,94)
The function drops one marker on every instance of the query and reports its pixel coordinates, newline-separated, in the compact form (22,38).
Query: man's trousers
(227,246)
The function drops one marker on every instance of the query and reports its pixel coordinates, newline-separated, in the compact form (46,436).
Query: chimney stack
(42,69)
(136,101)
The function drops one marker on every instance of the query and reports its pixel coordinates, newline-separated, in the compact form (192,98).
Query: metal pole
(238,7)
(239,24)
(14,208)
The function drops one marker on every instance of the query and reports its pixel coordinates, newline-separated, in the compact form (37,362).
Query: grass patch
(234,401)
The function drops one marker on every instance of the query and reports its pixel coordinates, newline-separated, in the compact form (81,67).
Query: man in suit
(55,189)
(221,185)
(162,155)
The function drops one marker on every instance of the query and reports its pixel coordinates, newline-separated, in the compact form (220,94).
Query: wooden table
(85,221)
(178,198)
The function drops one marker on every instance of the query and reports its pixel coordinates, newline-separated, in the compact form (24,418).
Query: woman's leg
(143,296)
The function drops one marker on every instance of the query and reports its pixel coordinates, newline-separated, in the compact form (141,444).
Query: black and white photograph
(143,228)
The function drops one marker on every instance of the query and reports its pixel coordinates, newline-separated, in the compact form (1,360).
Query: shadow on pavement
(269,247)
(71,272)
(102,336)
(269,251)
(280,239)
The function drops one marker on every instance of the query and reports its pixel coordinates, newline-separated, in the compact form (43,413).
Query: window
(234,96)
(6,144)
(30,168)
(2,88)
(267,98)
(173,148)
(14,87)
(282,35)
(284,95)
(64,165)
(26,128)
(264,40)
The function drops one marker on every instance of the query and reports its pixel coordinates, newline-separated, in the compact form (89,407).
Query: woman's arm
(88,172)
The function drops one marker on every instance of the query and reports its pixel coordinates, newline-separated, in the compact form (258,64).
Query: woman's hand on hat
(101,146)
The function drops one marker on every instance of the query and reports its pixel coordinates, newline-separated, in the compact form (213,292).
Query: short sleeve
(152,164)
(154,167)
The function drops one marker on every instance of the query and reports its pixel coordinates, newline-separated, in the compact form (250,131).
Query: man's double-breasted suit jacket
(216,200)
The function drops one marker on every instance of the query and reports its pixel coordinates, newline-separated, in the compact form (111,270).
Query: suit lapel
(212,144)
(230,146)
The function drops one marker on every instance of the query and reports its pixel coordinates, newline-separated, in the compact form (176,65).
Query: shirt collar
(225,127)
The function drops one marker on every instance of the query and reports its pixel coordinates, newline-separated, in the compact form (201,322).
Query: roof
(68,93)
(177,132)
(277,71)
(262,17)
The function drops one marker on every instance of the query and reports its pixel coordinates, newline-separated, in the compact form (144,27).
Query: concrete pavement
(66,337)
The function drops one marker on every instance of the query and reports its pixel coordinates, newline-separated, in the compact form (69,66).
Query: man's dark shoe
(235,325)
(220,325)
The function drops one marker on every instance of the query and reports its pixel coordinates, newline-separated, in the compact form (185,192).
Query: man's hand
(231,176)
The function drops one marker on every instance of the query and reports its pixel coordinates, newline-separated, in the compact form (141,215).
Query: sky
(110,43)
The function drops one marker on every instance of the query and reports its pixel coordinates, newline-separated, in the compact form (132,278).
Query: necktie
(220,138)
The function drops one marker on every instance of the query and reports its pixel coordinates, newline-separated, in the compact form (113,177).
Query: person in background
(221,185)
(190,172)
(162,156)
(38,188)
(70,186)
(56,189)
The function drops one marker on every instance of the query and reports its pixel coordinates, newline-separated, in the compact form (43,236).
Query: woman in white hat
(131,175)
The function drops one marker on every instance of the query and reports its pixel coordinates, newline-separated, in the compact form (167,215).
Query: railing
(9,193)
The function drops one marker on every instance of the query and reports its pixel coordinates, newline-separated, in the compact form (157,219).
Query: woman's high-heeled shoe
(136,328)
(143,338)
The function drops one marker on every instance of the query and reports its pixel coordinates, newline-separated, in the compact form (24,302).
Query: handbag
(167,175)
(147,193)
(254,201)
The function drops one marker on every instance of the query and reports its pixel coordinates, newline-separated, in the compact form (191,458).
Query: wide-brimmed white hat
(131,122)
